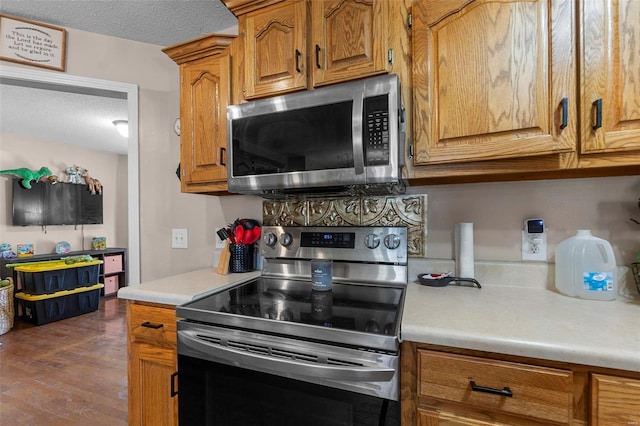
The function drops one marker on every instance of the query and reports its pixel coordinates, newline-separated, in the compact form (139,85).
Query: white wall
(162,206)
(498,210)
(17,151)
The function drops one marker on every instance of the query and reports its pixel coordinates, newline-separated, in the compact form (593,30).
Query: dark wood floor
(69,372)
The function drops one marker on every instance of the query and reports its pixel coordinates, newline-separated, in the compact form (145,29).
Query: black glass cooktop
(368,309)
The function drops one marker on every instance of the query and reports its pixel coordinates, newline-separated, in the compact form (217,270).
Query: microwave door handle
(357,123)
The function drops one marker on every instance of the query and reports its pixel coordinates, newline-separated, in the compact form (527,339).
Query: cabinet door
(490,78)
(205,94)
(348,39)
(275,49)
(614,400)
(610,72)
(150,400)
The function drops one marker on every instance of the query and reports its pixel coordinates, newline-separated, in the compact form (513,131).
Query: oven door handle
(283,366)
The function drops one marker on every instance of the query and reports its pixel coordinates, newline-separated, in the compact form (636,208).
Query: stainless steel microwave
(346,135)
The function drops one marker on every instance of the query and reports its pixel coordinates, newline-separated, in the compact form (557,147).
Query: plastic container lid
(36,297)
(54,265)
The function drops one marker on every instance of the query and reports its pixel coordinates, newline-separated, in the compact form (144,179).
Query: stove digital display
(328,239)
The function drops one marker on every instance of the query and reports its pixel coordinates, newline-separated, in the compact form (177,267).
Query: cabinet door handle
(318,56)
(565,112)
(598,104)
(298,54)
(223,151)
(502,392)
(174,392)
(148,324)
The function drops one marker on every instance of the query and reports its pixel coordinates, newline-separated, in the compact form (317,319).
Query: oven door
(233,377)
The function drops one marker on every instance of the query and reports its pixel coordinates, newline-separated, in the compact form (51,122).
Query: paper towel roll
(464,250)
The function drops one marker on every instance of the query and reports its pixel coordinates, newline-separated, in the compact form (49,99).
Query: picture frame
(32,43)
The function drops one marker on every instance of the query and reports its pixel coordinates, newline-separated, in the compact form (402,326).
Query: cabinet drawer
(152,324)
(113,264)
(111,284)
(521,389)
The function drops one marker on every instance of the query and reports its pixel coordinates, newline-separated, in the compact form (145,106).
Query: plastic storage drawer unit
(54,276)
(111,284)
(46,308)
(113,264)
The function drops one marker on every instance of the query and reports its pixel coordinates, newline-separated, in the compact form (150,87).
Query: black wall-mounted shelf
(55,204)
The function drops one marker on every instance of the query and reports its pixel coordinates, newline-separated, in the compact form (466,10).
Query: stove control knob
(286,239)
(372,241)
(392,241)
(270,239)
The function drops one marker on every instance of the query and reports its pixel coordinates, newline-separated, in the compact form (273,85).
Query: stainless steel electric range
(272,351)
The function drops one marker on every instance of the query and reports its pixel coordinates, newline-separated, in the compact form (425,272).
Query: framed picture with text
(32,43)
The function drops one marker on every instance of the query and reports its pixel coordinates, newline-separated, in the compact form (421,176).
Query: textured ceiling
(160,22)
(63,117)
(86,120)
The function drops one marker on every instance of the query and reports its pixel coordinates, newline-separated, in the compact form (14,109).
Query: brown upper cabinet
(491,79)
(499,80)
(275,49)
(297,44)
(205,93)
(348,39)
(610,77)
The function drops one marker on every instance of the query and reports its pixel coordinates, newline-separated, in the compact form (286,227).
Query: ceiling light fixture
(123,127)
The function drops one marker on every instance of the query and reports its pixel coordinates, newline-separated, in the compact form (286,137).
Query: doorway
(65,83)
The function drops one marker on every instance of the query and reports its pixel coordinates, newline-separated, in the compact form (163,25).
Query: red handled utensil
(248,236)
(255,235)
(238,232)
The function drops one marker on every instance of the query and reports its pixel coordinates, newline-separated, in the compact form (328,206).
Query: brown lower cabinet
(615,400)
(152,362)
(439,385)
(449,386)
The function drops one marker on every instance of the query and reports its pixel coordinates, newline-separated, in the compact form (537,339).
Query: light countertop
(530,322)
(515,315)
(183,288)
(516,312)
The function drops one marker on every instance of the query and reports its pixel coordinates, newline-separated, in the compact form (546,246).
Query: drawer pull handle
(151,325)
(318,56)
(565,113)
(502,392)
(298,54)
(223,151)
(174,392)
(598,105)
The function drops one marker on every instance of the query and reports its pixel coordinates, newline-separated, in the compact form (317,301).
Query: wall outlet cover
(534,246)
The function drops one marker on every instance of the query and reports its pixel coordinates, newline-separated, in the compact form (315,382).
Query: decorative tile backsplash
(405,210)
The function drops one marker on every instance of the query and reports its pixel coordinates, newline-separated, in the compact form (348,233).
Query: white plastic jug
(586,267)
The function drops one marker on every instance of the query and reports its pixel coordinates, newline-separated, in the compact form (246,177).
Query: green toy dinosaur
(27,175)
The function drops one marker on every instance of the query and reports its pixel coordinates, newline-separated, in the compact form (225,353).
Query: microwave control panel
(376,130)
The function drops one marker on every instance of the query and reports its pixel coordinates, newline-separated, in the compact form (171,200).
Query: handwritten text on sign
(27,42)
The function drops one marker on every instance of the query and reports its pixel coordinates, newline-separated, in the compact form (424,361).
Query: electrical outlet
(179,238)
(534,240)
(534,247)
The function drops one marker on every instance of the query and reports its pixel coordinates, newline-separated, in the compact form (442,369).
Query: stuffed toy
(6,253)
(27,175)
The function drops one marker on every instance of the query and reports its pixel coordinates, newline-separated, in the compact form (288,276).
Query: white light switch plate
(219,243)
(179,238)
(534,246)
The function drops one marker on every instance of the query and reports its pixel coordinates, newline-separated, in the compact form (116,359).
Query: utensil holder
(242,259)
